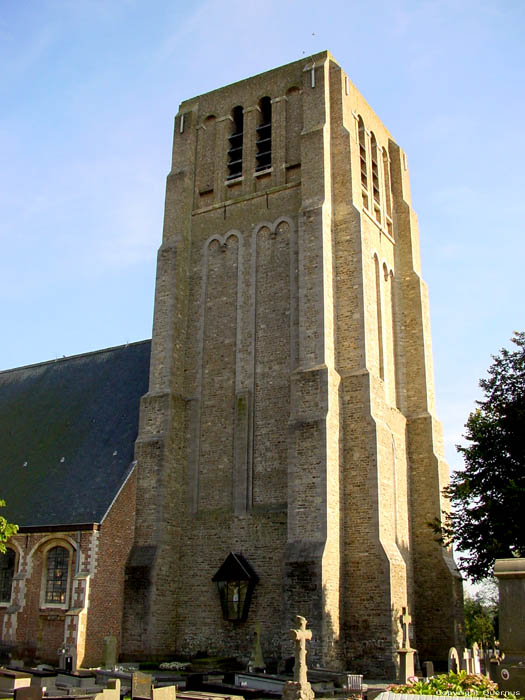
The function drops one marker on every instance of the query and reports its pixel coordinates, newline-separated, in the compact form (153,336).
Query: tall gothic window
(57,575)
(7,570)
(236,139)
(264,135)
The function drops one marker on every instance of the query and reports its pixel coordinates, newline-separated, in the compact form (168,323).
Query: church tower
(289,457)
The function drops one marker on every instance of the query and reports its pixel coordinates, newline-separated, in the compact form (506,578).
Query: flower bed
(450,684)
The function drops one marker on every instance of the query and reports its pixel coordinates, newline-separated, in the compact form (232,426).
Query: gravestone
(454,664)
(167,692)
(141,685)
(428,669)
(67,659)
(109,652)
(476,659)
(467,661)
(111,692)
(299,688)
(406,653)
(257,660)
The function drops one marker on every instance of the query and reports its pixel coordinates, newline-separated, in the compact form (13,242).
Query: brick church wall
(95,585)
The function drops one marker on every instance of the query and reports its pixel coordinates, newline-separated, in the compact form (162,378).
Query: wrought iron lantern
(235,580)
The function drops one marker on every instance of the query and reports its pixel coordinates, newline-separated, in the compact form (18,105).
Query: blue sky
(88,91)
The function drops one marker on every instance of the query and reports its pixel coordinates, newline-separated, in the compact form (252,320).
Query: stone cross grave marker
(467,661)
(141,686)
(453,660)
(476,658)
(301,636)
(406,619)
(299,688)
(406,653)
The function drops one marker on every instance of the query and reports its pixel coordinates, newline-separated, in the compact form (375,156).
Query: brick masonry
(93,606)
(291,411)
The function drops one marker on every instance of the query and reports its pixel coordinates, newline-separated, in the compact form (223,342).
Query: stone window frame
(46,548)
(16,561)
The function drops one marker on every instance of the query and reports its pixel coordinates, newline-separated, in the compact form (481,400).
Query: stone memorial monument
(454,663)
(406,653)
(299,688)
(509,674)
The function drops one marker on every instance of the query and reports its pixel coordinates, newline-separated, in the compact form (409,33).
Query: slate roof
(67,432)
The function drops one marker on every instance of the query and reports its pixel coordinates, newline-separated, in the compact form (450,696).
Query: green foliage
(6,530)
(479,622)
(461,683)
(487,496)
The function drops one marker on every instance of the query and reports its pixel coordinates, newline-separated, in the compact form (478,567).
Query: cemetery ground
(216,678)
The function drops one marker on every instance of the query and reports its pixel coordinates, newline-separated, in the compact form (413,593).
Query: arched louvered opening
(376,193)
(264,135)
(363,160)
(388,193)
(236,142)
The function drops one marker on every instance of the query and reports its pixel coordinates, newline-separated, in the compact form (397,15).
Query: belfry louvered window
(235,141)
(363,161)
(375,177)
(264,135)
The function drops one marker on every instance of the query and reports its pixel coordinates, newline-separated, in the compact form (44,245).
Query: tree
(487,497)
(6,530)
(481,613)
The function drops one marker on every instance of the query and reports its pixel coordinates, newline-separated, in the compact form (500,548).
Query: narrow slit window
(235,140)
(362,158)
(375,178)
(264,135)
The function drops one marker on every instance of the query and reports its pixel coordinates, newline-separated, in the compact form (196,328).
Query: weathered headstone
(299,688)
(476,658)
(428,669)
(165,693)
(454,664)
(467,661)
(406,653)
(109,652)
(141,685)
(257,660)
(112,692)
(67,659)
